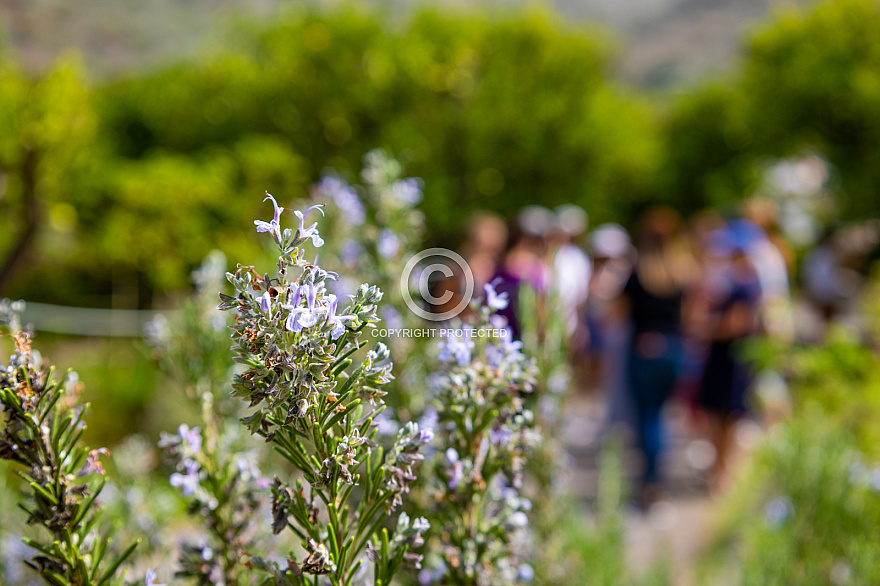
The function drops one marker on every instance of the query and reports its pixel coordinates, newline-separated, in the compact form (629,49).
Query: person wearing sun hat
(732,315)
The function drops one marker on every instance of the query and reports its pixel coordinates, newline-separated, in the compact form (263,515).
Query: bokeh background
(145,130)
(138,136)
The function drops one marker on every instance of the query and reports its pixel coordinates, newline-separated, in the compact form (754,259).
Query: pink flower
(92,465)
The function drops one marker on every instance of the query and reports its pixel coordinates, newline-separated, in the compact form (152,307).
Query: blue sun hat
(737,236)
(745,235)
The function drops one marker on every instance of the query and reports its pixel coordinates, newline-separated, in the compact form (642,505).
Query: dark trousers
(651,382)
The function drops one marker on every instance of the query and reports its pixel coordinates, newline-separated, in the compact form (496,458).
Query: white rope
(87,321)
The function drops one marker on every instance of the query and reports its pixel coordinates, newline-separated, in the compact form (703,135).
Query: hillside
(662,42)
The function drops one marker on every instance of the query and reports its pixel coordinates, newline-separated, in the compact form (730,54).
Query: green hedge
(497,111)
(492,109)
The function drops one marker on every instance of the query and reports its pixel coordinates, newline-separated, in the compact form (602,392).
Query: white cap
(536,220)
(610,241)
(571,219)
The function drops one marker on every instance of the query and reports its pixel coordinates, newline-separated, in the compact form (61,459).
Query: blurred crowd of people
(663,311)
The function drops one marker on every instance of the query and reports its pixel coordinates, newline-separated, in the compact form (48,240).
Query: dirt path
(677,527)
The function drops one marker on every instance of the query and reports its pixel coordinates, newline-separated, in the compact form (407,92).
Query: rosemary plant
(373,229)
(216,466)
(298,343)
(481,519)
(63,478)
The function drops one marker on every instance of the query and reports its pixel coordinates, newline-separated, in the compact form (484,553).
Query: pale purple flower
(93,465)
(500,437)
(344,197)
(350,252)
(426,435)
(157,331)
(339,284)
(429,418)
(311,231)
(190,438)
(432,575)
(494,356)
(336,321)
(498,321)
(189,481)
(526,572)
(266,303)
(452,455)
(388,244)
(274,226)
(407,191)
(777,510)
(494,299)
(508,493)
(247,466)
(507,349)
(385,424)
(510,346)
(420,525)
(457,475)
(150,579)
(310,314)
(304,317)
(457,348)
(292,323)
(519,519)
(392,317)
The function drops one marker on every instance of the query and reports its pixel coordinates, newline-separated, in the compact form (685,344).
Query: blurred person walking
(828,283)
(773,259)
(572,269)
(485,246)
(524,263)
(730,315)
(526,258)
(483,251)
(653,299)
(609,332)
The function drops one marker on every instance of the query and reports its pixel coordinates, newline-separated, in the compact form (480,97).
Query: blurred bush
(838,378)
(589,548)
(807,513)
(47,128)
(491,111)
(809,81)
(136,179)
(807,507)
(514,106)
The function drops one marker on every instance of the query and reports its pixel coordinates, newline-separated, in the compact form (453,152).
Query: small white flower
(150,579)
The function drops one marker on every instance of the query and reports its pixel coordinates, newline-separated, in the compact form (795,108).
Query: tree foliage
(494,110)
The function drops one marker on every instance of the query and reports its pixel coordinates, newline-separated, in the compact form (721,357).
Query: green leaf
(44,493)
(111,571)
(38,546)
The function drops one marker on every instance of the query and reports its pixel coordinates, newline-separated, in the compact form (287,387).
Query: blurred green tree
(493,111)
(810,81)
(45,123)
